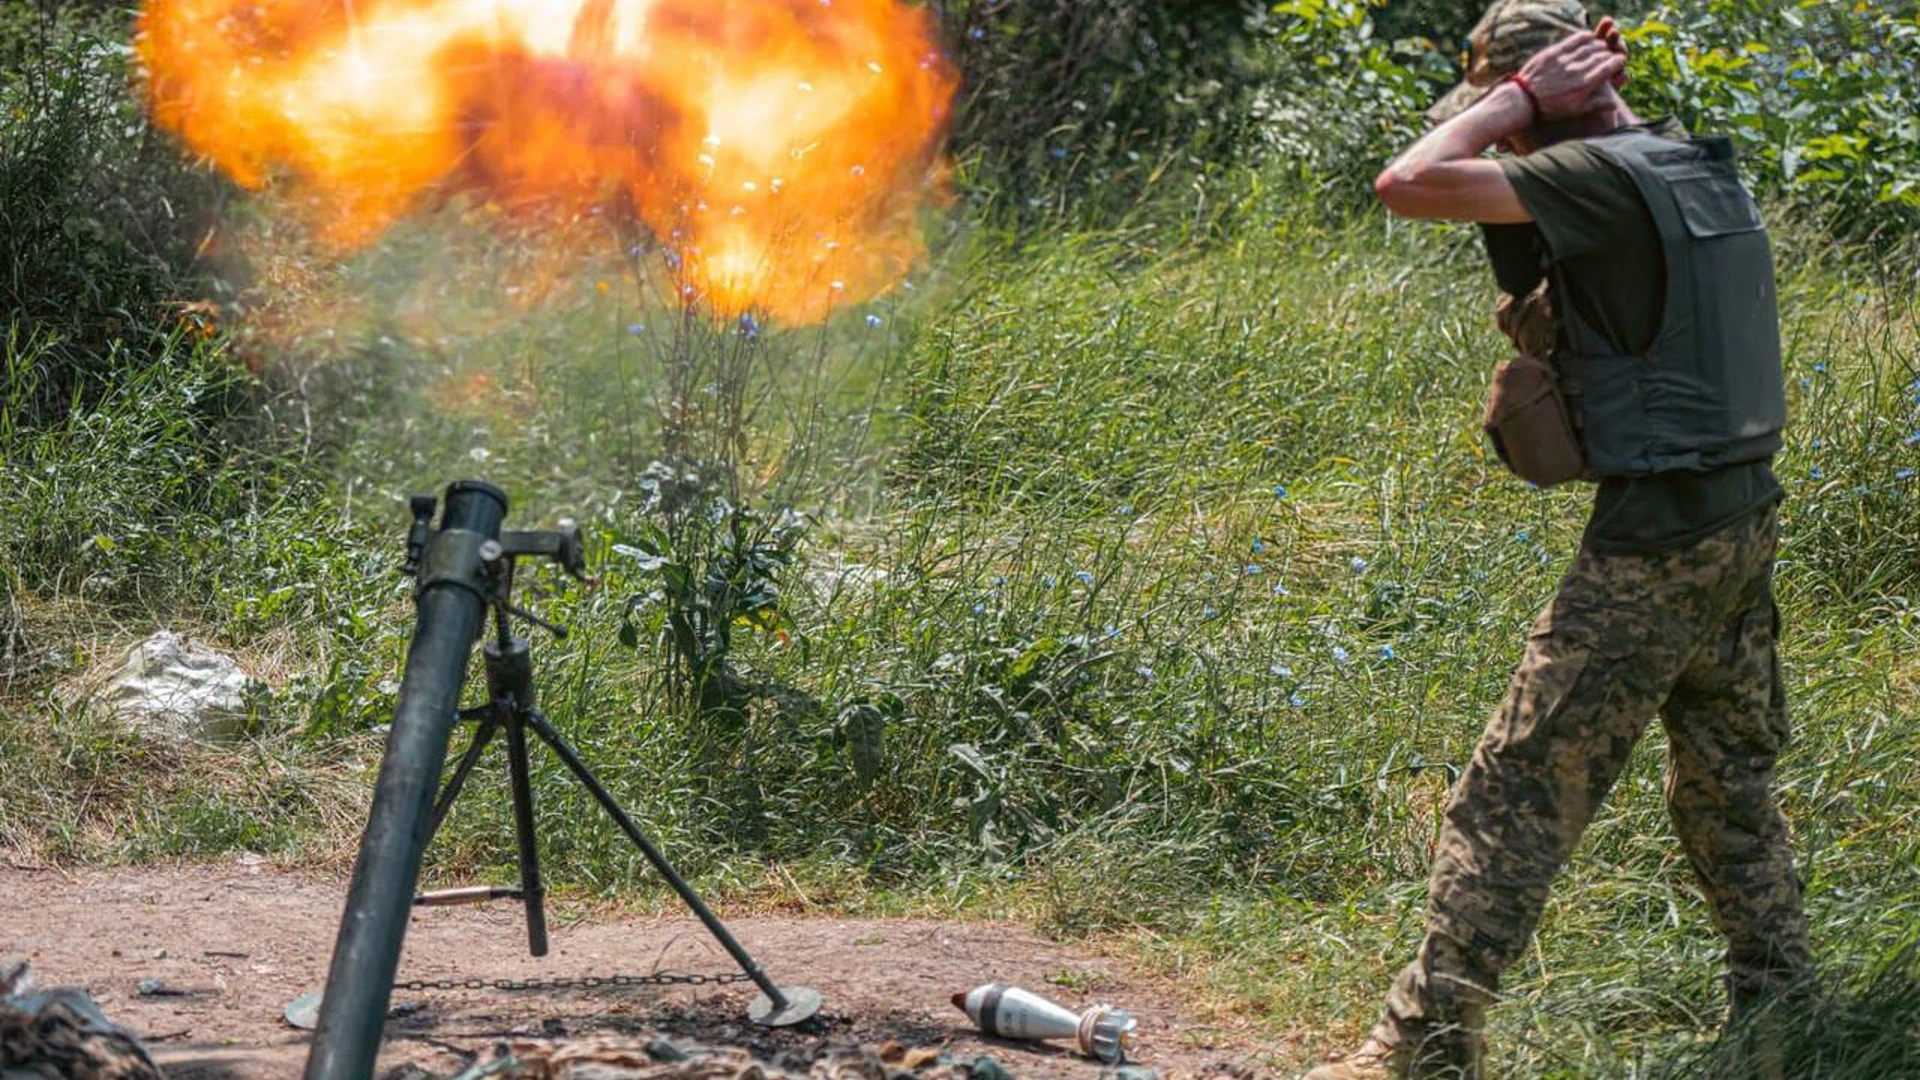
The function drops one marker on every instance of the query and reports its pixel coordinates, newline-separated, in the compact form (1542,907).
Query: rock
(169,687)
(303,1012)
(157,988)
(987,1067)
(662,1050)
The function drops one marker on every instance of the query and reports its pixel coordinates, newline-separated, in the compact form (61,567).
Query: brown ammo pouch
(1527,419)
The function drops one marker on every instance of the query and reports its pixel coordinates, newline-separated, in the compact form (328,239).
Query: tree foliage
(1824,98)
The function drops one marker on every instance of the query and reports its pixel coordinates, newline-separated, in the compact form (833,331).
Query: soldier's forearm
(1501,114)
(1443,175)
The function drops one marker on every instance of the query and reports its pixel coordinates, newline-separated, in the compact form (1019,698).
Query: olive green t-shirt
(1590,219)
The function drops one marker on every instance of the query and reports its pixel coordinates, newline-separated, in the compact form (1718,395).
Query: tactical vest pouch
(1528,424)
(1527,419)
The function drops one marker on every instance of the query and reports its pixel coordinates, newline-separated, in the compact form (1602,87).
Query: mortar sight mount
(498,561)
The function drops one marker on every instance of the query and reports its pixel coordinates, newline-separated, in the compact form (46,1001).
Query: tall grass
(1187,590)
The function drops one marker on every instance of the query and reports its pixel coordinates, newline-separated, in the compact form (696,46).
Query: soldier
(1666,354)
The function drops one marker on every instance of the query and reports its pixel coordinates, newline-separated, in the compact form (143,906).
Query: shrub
(99,217)
(1340,98)
(1087,105)
(1823,98)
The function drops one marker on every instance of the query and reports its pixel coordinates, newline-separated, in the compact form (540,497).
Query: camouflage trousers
(1689,635)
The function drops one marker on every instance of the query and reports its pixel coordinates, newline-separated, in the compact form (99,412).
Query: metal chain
(582,982)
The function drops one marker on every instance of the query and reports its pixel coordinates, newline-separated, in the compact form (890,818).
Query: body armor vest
(1708,391)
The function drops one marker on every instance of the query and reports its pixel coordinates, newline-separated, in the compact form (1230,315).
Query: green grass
(1087,703)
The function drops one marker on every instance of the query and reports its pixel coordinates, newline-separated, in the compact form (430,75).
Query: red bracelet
(1519,79)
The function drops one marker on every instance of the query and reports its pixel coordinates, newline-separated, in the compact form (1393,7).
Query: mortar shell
(1009,1012)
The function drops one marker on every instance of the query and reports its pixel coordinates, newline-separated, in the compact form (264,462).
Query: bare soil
(231,944)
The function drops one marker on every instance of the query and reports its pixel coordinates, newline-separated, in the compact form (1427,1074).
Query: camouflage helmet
(1506,37)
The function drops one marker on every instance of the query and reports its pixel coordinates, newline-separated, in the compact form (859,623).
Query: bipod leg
(779,1007)
(533,893)
(482,735)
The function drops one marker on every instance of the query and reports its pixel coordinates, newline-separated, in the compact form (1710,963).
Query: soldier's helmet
(1503,41)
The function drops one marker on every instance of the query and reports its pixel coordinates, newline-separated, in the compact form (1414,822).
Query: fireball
(778,151)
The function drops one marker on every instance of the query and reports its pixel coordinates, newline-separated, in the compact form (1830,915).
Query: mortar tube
(449,616)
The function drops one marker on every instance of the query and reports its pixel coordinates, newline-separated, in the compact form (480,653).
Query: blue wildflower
(977,33)
(1113,632)
(1258,547)
(1820,368)
(1340,655)
(1297,701)
(1209,612)
(979,608)
(1386,652)
(1819,443)
(1085,576)
(1280,590)
(874,322)
(1144,672)
(636,329)
(1359,564)
(1059,153)
(1124,510)
(1903,474)
(1805,382)
(1815,472)
(1282,670)
(749,325)
(1913,439)
(1280,491)
(1253,570)
(1523,536)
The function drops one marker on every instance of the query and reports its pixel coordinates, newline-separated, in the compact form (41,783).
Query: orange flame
(777,149)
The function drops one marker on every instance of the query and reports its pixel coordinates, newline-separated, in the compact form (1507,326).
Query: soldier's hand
(1609,32)
(1568,78)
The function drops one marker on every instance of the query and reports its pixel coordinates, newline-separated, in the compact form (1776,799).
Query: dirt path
(233,943)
